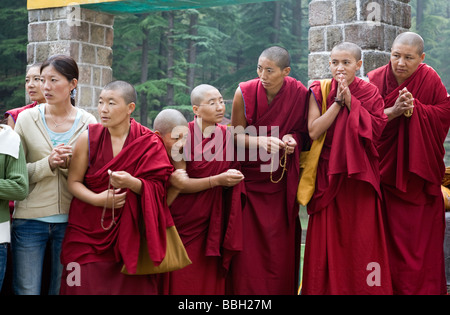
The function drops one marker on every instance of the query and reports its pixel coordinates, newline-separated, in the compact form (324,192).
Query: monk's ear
(158,133)
(131,107)
(359,65)
(422,58)
(195,109)
(286,71)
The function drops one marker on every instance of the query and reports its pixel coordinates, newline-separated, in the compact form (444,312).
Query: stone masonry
(371,24)
(85,35)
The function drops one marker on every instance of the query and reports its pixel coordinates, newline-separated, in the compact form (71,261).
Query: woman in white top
(48,132)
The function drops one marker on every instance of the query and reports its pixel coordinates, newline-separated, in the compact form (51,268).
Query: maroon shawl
(415,144)
(215,213)
(350,146)
(14,113)
(144,157)
(288,112)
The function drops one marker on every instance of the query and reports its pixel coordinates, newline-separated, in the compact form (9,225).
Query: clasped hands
(343,92)
(404,104)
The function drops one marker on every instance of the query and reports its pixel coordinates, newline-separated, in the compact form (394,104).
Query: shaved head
(410,39)
(354,49)
(279,55)
(198,93)
(167,120)
(125,89)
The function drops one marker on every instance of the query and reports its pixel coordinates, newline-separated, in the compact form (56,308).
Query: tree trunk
(192,52)
(419,17)
(144,77)
(297,27)
(276,22)
(170,58)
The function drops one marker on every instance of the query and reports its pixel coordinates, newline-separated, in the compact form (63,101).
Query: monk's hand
(272,145)
(229,178)
(60,156)
(178,179)
(110,197)
(343,91)
(404,102)
(290,143)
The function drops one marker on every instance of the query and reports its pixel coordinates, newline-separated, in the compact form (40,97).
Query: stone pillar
(371,24)
(88,38)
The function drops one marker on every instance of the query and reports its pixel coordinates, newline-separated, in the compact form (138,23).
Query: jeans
(29,239)
(3,259)
(447,247)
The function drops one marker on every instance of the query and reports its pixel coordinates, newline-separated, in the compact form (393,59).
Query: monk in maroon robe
(272,109)
(126,158)
(412,167)
(208,211)
(345,249)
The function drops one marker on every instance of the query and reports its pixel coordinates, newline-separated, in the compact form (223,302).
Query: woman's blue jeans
(3,259)
(29,239)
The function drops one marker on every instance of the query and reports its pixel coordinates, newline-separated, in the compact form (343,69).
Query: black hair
(67,67)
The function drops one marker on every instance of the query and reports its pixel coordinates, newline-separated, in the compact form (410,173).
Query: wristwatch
(339,101)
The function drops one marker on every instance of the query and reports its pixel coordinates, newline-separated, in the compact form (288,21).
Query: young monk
(411,165)
(118,177)
(208,216)
(172,127)
(273,107)
(345,239)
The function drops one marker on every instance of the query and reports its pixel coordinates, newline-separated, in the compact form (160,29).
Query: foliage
(435,30)
(227,41)
(13,50)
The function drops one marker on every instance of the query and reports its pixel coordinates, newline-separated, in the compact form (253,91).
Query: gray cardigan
(49,194)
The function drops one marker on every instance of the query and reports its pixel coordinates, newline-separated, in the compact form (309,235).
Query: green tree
(431,19)
(13,53)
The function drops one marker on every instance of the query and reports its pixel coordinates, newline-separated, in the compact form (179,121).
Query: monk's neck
(271,94)
(207,128)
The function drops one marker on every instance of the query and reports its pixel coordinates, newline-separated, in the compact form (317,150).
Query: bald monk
(345,238)
(272,108)
(208,216)
(118,177)
(172,126)
(411,151)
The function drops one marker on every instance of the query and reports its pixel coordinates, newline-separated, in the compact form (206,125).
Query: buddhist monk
(271,109)
(208,211)
(411,152)
(172,126)
(345,250)
(118,177)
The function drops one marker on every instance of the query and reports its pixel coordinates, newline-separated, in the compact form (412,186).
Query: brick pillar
(88,38)
(371,24)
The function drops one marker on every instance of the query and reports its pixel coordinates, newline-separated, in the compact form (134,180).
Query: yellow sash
(310,159)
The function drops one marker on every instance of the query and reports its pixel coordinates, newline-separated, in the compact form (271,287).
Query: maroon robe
(345,230)
(102,253)
(14,113)
(209,222)
(412,168)
(269,261)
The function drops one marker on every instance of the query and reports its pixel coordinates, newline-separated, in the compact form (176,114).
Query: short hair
(352,48)
(197,93)
(127,90)
(279,55)
(167,120)
(411,39)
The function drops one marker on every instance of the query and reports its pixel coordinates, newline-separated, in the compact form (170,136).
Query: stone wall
(372,24)
(86,36)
